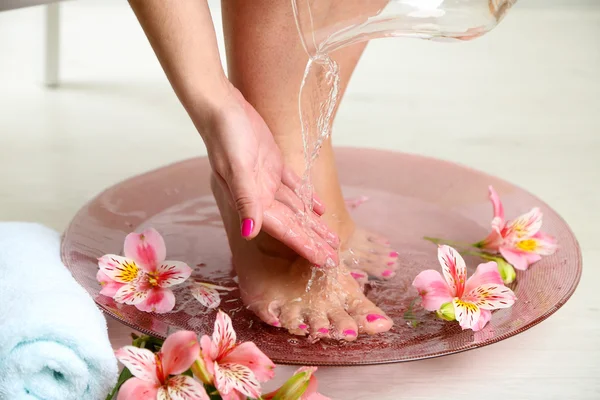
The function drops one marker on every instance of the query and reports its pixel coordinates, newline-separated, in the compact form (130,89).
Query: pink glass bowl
(409,197)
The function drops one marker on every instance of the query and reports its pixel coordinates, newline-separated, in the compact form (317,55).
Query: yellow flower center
(153,279)
(128,271)
(528,245)
(468,306)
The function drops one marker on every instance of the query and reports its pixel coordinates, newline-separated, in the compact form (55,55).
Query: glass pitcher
(327,25)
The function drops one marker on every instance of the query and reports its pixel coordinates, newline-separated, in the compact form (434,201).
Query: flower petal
(467,314)
(119,269)
(485,273)
(158,300)
(493,241)
(233,395)
(491,296)
(547,244)
(207,296)
(163,394)
(540,243)
(484,318)
(249,355)
(183,387)
(433,289)
(238,377)
(136,389)
(131,294)
(454,268)
(224,337)
(141,362)
(517,259)
(209,353)
(524,226)
(147,248)
(109,287)
(172,273)
(179,351)
(497,204)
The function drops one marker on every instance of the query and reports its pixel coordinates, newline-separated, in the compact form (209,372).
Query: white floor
(522,103)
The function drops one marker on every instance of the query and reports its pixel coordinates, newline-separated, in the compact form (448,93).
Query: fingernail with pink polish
(374,317)
(323,331)
(276,323)
(247,227)
(349,332)
(387,272)
(394,254)
(302,326)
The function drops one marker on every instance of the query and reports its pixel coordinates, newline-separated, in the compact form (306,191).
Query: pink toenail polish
(324,331)
(374,317)
(302,326)
(247,226)
(349,332)
(275,323)
(394,254)
(387,272)
(356,275)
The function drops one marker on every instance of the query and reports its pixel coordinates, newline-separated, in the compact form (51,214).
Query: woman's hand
(249,167)
(244,157)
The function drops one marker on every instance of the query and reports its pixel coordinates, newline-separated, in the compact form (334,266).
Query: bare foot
(367,254)
(273,283)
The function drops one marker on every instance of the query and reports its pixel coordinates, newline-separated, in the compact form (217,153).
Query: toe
(319,324)
(379,265)
(267,311)
(292,319)
(369,318)
(378,239)
(360,276)
(343,325)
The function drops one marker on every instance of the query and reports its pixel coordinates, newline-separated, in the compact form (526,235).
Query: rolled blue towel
(53,339)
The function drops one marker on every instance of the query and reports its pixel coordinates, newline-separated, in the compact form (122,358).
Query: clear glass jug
(327,25)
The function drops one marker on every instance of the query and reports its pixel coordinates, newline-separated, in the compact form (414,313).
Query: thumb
(247,203)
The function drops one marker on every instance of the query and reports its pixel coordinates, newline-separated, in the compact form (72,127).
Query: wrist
(206,104)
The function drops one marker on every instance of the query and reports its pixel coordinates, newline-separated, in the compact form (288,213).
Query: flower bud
(446,312)
(199,370)
(507,271)
(295,387)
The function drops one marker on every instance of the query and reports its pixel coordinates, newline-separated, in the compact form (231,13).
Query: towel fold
(53,339)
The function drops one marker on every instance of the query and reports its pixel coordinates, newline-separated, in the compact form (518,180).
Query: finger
(314,222)
(293,181)
(246,201)
(282,224)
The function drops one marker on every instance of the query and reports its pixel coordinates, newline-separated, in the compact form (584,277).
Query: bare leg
(266,63)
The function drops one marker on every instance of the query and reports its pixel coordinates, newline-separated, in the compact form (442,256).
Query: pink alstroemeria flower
(152,372)
(520,241)
(302,386)
(474,299)
(144,275)
(234,369)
